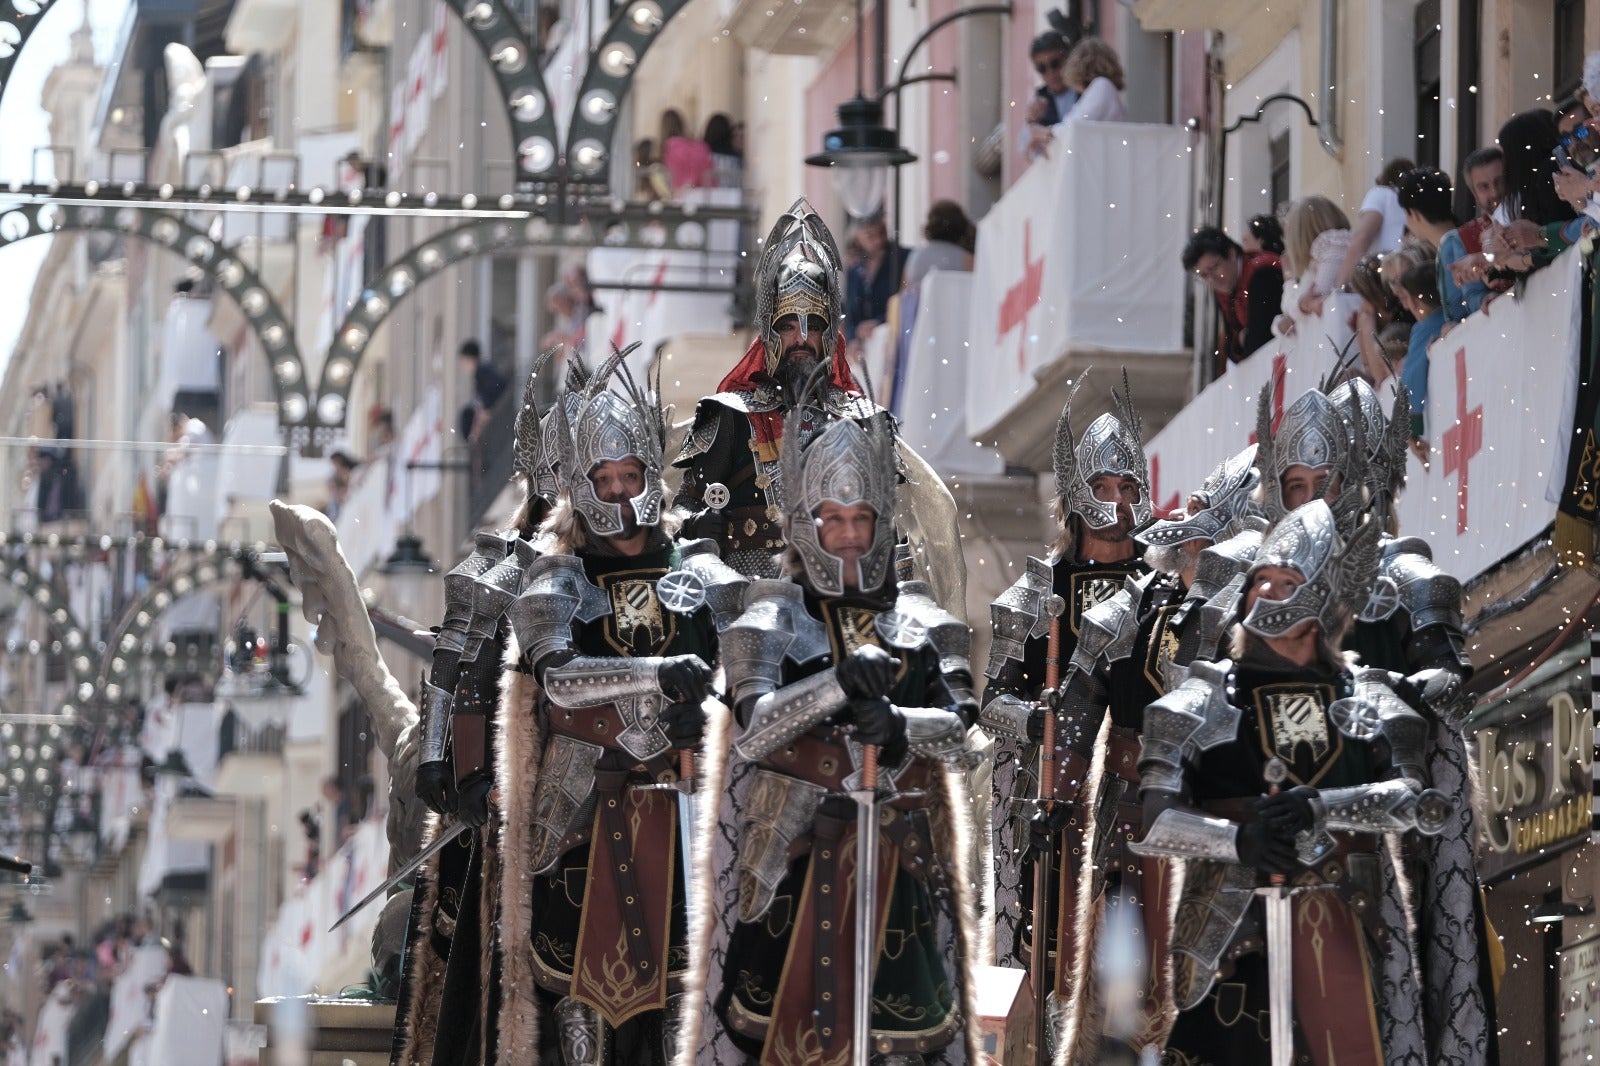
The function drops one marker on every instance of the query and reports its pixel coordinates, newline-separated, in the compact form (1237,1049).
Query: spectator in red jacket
(1248,289)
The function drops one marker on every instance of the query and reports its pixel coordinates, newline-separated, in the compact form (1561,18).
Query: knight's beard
(794,370)
(1116,533)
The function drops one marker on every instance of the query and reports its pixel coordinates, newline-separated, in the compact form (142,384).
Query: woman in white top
(1095,73)
(1316,236)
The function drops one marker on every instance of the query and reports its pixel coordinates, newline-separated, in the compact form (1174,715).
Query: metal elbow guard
(782,715)
(1392,806)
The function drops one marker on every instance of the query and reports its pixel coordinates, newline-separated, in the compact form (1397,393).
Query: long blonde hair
(1092,58)
(569,536)
(1308,219)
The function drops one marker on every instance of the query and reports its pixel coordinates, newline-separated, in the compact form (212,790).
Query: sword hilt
(869,767)
(1275,772)
(686,765)
(1052,678)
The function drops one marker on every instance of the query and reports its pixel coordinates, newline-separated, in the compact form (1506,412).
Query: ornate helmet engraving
(1386,436)
(1338,572)
(846,463)
(533,461)
(1311,434)
(1113,444)
(603,425)
(799,273)
(1225,506)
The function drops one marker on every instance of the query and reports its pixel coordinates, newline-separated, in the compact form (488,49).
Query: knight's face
(845,532)
(801,340)
(1302,484)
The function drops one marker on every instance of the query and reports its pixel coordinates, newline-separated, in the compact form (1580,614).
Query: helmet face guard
(1225,502)
(1113,444)
(603,426)
(799,273)
(1337,572)
(846,463)
(1311,434)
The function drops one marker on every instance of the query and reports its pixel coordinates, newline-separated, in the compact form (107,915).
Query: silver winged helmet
(532,460)
(1113,444)
(1386,435)
(1311,433)
(799,273)
(848,463)
(1337,572)
(1222,506)
(605,425)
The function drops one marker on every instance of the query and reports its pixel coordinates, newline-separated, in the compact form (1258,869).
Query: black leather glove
(1266,846)
(1036,724)
(436,786)
(1047,824)
(685,725)
(706,523)
(1289,810)
(867,673)
(473,804)
(880,722)
(685,678)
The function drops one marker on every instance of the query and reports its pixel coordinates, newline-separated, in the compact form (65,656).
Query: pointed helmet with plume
(532,461)
(799,273)
(1311,433)
(1337,571)
(1113,444)
(1386,435)
(1225,506)
(609,425)
(847,463)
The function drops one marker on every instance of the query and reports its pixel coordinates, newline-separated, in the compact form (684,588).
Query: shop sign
(1535,770)
(1578,971)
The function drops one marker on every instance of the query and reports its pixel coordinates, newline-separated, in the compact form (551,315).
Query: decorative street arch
(636,225)
(514,64)
(63,625)
(18,20)
(219,263)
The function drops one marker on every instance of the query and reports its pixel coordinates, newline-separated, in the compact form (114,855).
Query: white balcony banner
(1501,393)
(931,378)
(1082,254)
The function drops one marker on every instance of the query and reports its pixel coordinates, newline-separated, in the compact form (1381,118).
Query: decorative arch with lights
(18,20)
(65,629)
(659,227)
(165,229)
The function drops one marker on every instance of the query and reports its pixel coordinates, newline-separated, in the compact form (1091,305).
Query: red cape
(768,425)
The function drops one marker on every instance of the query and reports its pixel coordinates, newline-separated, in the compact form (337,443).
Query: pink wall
(943,136)
(832,87)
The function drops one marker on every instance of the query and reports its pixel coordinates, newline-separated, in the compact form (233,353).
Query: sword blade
(1280,973)
(404,872)
(866,924)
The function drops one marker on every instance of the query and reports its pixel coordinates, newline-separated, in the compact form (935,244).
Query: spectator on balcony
(1316,239)
(1426,195)
(873,281)
(1381,323)
(1247,291)
(1379,222)
(341,469)
(687,159)
(488,385)
(650,177)
(727,159)
(951,237)
(1419,292)
(1571,112)
(1263,233)
(1095,73)
(1052,100)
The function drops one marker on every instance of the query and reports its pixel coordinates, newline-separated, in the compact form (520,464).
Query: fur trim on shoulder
(516,774)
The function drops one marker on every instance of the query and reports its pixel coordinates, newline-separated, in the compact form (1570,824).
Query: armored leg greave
(583,1036)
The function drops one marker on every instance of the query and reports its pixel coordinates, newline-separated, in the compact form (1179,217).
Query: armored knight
(732,489)
(825,666)
(605,699)
(1102,493)
(1275,776)
(456,906)
(1129,648)
(1412,624)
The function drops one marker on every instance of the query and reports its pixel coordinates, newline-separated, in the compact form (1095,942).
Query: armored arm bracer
(450,640)
(595,681)
(1005,715)
(433,727)
(783,714)
(1381,807)
(1431,601)
(935,733)
(556,594)
(1181,833)
(951,639)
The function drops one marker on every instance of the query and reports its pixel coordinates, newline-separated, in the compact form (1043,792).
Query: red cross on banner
(1172,505)
(1462,441)
(1022,297)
